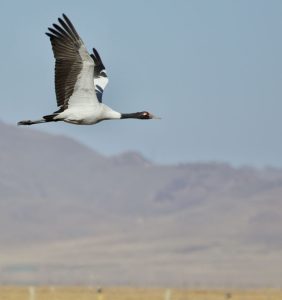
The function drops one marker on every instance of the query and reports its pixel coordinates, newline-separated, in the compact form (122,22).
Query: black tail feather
(50,118)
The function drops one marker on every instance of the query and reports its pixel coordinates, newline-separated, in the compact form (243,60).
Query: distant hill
(71,215)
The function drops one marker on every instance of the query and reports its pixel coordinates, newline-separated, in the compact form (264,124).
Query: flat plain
(92,293)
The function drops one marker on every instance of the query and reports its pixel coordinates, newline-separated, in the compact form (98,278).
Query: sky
(211,69)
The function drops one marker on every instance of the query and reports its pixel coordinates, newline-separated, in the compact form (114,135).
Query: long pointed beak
(155,117)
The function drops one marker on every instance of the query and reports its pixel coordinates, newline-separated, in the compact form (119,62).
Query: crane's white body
(88,115)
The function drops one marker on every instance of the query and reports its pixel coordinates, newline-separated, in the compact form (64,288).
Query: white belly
(82,116)
(87,115)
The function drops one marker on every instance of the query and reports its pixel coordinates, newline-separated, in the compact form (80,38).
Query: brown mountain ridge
(71,215)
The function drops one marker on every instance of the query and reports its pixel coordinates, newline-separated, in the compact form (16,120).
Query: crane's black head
(143,115)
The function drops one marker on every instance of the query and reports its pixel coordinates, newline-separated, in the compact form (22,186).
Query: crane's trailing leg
(29,122)
(45,119)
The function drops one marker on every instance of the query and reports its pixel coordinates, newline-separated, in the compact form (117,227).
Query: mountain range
(69,215)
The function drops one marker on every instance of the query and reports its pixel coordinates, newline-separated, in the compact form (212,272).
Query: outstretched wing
(74,67)
(100,75)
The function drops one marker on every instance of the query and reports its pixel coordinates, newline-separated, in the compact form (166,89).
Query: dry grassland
(84,293)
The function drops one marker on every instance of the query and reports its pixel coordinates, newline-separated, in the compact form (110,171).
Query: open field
(91,293)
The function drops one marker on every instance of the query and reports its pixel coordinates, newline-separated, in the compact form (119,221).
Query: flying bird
(80,79)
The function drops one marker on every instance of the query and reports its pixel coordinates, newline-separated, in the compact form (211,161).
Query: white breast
(88,115)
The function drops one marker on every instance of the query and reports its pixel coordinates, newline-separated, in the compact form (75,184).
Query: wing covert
(71,57)
(100,75)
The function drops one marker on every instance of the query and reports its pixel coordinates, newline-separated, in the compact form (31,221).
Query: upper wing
(74,67)
(100,75)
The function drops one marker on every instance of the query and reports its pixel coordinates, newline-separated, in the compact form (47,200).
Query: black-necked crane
(80,79)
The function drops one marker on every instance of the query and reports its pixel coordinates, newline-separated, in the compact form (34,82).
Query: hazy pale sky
(211,69)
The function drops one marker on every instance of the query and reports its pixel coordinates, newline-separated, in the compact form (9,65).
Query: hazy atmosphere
(191,200)
(210,69)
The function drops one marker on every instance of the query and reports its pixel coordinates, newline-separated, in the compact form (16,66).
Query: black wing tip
(63,19)
(64,28)
(60,21)
(49,34)
(97,58)
(96,54)
(65,16)
(70,25)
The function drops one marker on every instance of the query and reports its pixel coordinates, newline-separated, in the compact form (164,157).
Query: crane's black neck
(131,116)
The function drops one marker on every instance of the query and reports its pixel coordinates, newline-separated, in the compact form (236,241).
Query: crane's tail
(48,118)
